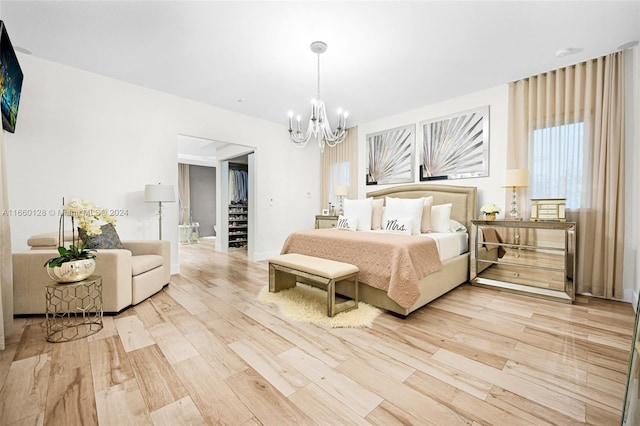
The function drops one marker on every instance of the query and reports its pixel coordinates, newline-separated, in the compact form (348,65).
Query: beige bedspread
(390,262)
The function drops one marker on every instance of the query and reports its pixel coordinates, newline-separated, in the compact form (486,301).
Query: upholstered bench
(285,269)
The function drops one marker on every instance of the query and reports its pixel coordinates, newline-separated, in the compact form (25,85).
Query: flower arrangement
(90,219)
(490,209)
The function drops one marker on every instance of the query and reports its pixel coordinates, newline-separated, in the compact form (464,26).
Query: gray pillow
(109,238)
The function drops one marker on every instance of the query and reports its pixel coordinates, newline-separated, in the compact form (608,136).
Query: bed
(452,272)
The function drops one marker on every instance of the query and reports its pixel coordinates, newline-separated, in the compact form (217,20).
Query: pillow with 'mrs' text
(398,226)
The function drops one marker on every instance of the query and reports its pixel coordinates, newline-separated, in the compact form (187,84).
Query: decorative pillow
(346,222)
(426,215)
(361,210)
(405,207)
(440,217)
(455,226)
(376,214)
(109,238)
(398,226)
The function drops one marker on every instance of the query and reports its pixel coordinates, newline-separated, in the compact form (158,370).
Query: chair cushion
(143,263)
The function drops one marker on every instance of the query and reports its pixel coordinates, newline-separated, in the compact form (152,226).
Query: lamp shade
(159,193)
(517,178)
(341,190)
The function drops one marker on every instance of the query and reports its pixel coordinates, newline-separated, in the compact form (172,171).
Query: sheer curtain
(567,128)
(339,166)
(184,193)
(6,275)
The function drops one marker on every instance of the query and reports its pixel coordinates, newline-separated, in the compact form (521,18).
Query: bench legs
(332,307)
(282,278)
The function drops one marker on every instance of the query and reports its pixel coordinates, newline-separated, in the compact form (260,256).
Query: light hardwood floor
(204,351)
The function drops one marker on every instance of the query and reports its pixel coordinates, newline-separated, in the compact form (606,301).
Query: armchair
(129,275)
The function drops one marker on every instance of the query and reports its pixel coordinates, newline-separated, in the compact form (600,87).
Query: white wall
(81,135)
(489,188)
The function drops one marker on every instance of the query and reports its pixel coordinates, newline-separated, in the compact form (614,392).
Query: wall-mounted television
(10,81)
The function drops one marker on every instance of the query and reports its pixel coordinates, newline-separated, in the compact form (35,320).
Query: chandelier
(319,125)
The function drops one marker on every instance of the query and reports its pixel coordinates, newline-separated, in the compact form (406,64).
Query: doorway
(210,160)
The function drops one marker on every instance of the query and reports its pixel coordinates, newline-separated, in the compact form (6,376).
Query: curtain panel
(590,93)
(333,171)
(184,194)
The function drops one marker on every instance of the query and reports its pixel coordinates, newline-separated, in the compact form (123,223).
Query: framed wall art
(390,155)
(455,146)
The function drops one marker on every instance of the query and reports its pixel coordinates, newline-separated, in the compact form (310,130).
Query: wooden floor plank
(158,382)
(122,404)
(24,392)
(180,412)
(268,405)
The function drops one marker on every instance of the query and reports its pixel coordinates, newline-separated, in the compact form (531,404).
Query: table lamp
(159,194)
(516,178)
(340,191)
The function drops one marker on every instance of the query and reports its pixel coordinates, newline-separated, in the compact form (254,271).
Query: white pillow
(398,226)
(361,210)
(425,226)
(455,226)
(440,217)
(405,207)
(347,222)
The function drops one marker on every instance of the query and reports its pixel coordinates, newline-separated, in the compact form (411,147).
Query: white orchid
(90,217)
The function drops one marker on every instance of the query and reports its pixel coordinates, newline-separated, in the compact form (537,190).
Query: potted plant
(490,211)
(77,262)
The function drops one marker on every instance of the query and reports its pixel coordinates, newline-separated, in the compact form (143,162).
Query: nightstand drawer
(324,222)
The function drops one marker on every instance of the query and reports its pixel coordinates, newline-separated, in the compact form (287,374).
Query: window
(338,175)
(556,163)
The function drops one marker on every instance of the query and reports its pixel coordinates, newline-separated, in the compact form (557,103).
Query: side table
(74,310)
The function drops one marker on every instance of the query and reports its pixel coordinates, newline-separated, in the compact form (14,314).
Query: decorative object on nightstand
(159,194)
(490,211)
(341,191)
(549,209)
(516,178)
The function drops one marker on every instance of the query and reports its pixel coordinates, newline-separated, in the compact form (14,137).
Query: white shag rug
(307,303)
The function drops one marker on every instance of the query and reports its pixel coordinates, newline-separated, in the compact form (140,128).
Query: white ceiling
(383,57)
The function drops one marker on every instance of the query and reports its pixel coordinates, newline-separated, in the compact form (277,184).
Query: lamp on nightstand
(516,178)
(340,191)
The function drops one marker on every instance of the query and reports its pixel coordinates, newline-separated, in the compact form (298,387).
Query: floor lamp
(159,194)
(516,178)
